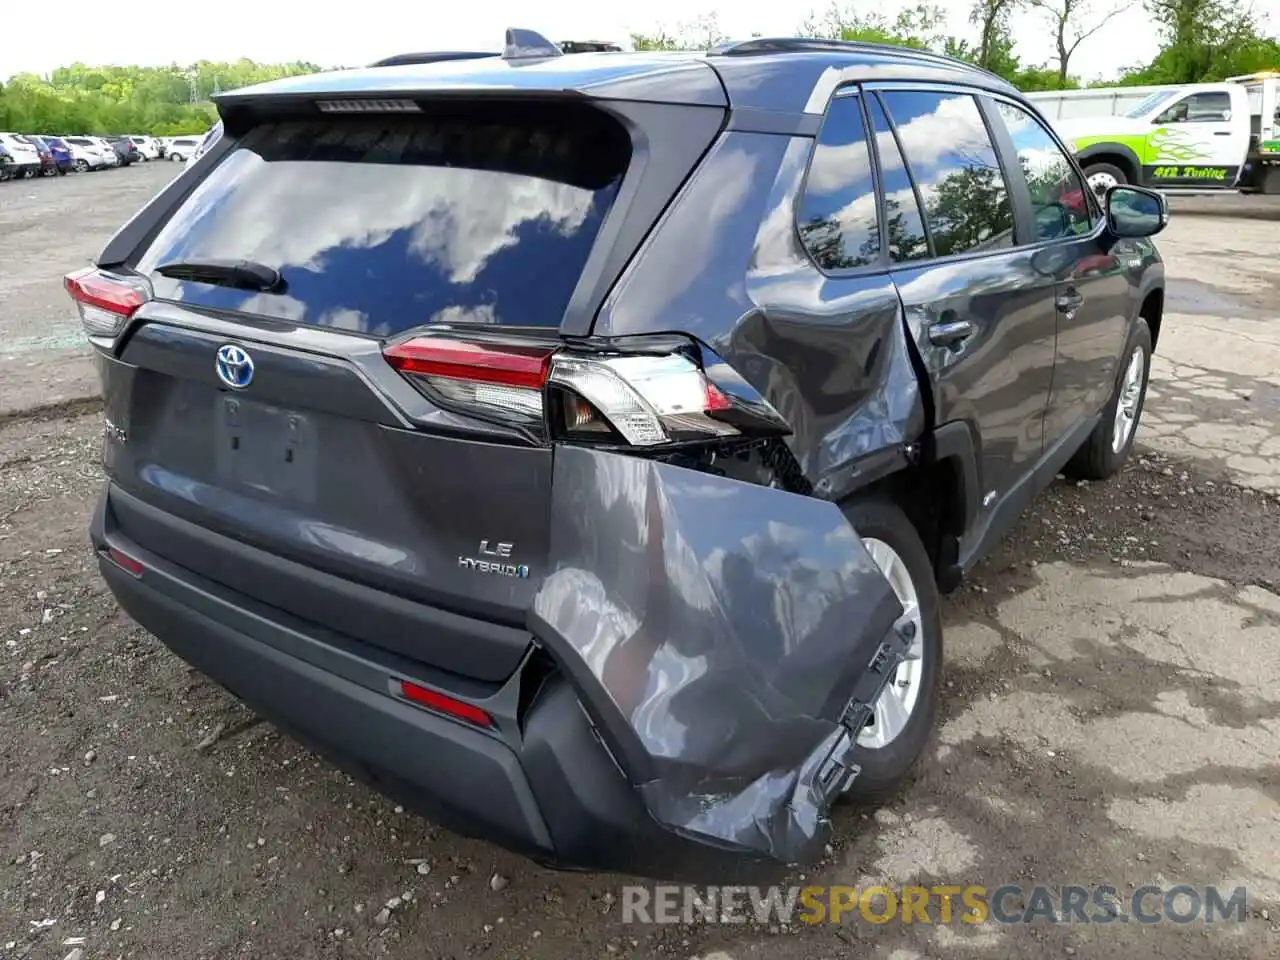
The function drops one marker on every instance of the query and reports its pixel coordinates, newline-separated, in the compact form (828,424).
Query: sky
(153,32)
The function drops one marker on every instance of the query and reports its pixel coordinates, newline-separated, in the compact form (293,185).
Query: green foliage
(919,26)
(1204,41)
(161,101)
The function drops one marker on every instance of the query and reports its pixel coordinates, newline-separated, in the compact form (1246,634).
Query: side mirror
(1136,211)
(1052,220)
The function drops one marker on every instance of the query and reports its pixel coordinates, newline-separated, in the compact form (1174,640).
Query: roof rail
(430,56)
(758,45)
(589,46)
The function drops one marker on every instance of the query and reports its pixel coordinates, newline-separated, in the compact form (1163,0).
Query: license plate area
(267,449)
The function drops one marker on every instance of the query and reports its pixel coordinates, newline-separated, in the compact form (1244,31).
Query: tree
(162,101)
(702,33)
(1072,22)
(995,43)
(1205,40)
(919,26)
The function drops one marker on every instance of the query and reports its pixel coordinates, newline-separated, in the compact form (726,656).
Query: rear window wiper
(240,274)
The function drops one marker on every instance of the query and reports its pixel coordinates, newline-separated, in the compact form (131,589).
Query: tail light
(105,302)
(504,381)
(640,399)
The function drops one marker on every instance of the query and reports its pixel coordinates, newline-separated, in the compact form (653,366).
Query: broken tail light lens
(105,302)
(636,399)
(647,400)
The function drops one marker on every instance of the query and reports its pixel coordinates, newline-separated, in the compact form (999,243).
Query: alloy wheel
(1126,417)
(900,697)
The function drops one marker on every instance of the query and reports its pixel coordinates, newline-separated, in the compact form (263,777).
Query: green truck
(1188,138)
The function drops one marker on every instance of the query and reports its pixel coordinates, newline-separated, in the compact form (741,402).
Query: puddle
(1192,296)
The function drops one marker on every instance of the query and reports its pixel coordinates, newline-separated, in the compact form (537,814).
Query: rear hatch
(269,414)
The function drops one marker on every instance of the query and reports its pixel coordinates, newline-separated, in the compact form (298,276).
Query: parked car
(26,158)
(147,146)
(181,148)
(6,164)
(125,149)
(108,151)
(62,157)
(597,494)
(88,154)
(48,167)
(212,135)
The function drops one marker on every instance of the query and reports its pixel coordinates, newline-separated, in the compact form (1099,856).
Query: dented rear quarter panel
(719,630)
(830,353)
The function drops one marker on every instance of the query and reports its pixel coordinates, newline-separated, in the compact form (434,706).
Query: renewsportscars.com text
(941,904)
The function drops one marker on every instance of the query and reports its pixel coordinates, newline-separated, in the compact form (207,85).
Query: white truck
(1196,137)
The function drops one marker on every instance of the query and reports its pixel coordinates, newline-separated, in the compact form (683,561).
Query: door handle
(1222,133)
(950,333)
(1069,303)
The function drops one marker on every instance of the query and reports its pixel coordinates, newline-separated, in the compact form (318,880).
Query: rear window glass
(378,224)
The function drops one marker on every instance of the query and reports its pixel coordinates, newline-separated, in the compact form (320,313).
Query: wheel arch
(1116,154)
(1152,311)
(939,492)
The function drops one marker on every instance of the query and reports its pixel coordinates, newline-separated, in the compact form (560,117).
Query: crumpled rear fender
(726,639)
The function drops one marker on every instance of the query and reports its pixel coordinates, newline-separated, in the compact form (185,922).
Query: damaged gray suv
(575,446)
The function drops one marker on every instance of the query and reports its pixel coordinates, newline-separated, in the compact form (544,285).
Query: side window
(1199,108)
(950,155)
(1061,204)
(838,220)
(905,226)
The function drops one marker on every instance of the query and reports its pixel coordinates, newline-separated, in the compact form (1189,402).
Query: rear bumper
(542,784)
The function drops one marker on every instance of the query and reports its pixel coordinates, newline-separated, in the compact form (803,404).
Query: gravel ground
(1111,717)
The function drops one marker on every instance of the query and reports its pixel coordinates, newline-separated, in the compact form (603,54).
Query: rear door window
(379,224)
(839,224)
(955,167)
(903,222)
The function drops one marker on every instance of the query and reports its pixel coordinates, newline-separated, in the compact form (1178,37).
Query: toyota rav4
(575,446)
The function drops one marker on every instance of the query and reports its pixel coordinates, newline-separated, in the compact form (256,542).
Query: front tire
(1103,176)
(1111,442)
(905,714)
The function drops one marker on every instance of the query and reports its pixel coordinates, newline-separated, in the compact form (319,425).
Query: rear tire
(1106,450)
(885,767)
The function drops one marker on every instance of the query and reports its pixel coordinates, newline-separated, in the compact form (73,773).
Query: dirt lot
(1112,708)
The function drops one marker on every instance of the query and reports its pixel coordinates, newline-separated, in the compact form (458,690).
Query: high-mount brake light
(105,303)
(367,105)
